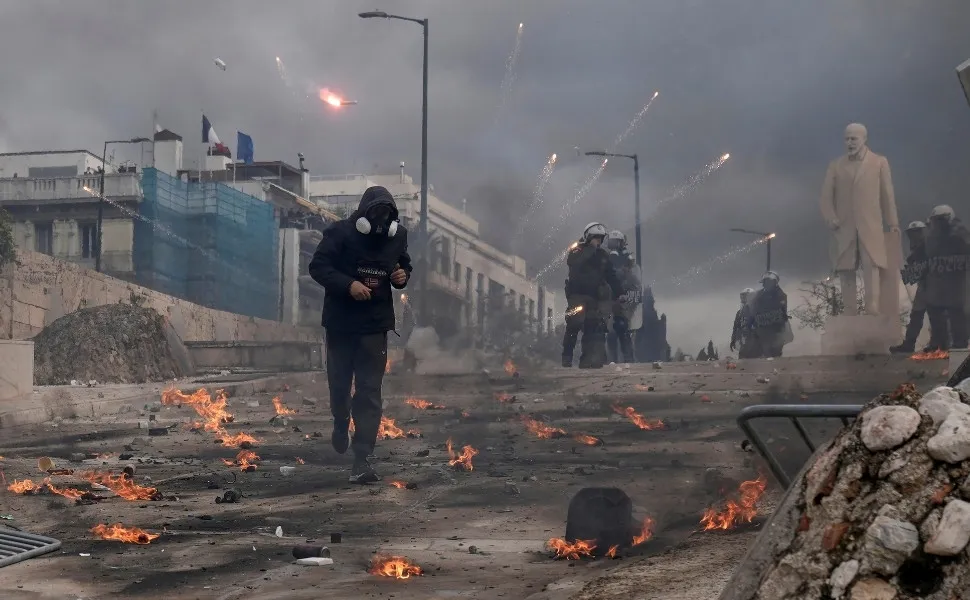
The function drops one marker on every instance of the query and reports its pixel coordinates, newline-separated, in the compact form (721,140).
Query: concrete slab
(16,370)
(847,335)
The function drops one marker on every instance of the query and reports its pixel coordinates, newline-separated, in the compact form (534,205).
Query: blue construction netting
(208,243)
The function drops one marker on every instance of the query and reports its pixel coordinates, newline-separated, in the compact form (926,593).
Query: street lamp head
(139,140)
(374,14)
(770,236)
(596,153)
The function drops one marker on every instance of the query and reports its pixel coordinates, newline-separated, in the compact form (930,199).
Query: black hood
(372,197)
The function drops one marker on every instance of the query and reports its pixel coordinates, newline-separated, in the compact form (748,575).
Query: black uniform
(769,310)
(619,340)
(947,250)
(357,329)
(742,337)
(590,290)
(914,273)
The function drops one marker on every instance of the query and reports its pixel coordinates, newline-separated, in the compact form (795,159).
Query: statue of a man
(858,205)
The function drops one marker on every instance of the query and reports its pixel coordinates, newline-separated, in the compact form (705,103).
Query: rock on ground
(886,427)
(114,343)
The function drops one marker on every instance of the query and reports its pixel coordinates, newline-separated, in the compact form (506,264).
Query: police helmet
(594,230)
(770,275)
(915,225)
(942,211)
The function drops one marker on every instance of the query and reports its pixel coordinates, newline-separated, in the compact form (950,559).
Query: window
(445,255)
(44,237)
(89,240)
(457,272)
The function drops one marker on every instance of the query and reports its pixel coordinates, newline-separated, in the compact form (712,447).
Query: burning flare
(422,404)
(587,439)
(463,460)
(246,459)
(25,486)
(121,485)
(510,368)
(213,413)
(399,484)
(736,513)
(397,567)
(331,98)
(128,535)
(571,551)
(280,408)
(574,311)
(638,419)
(611,553)
(934,355)
(541,430)
(388,430)
(646,531)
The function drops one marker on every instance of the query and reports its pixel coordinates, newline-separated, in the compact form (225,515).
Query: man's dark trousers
(359,361)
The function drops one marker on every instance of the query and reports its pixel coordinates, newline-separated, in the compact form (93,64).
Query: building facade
(468,279)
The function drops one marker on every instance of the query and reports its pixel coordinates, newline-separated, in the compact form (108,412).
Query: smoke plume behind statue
(858,205)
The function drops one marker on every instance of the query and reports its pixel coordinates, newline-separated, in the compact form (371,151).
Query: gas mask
(377,220)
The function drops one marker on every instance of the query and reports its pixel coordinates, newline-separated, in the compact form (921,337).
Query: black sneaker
(340,438)
(362,472)
(903,348)
(567,361)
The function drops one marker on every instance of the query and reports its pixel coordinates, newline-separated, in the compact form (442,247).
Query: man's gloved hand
(359,291)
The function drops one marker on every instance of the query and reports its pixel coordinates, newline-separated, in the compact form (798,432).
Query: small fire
(637,419)
(397,567)
(121,485)
(246,459)
(611,553)
(588,440)
(465,414)
(736,513)
(388,430)
(422,404)
(934,355)
(504,397)
(574,311)
(128,535)
(571,551)
(510,368)
(352,427)
(387,366)
(643,387)
(300,461)
(213,413)
(541,430)
(280,408)
(399,484)
(463,460)
(646,531)
(25,486)
(331,98)
(69,493)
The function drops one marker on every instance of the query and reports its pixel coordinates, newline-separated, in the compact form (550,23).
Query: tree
(822,299)
(8,250)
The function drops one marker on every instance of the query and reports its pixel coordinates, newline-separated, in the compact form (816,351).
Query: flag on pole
(208,133)
(244,148)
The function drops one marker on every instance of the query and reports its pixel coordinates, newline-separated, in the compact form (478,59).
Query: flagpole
(154,131)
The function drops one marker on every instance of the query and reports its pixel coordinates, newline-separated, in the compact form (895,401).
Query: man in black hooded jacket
(358,261)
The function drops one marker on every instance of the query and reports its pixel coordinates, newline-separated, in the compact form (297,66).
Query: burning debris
(281,410)
(504,397)
(25,487)
(933,355)
(399,484)
(882,512)
(128,535)
(245,460)
(587,440)
(739,512)
(646,532)
(510,368)
(541,430)
(388,430)
(121,485)
(397,567)
(423,404)
(573,550)
(213,413)
(461,461)
(638,419)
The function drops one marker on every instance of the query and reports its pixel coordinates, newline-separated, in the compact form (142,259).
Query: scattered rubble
(884,512)
(114,343)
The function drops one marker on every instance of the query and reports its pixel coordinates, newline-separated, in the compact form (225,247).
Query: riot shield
(636,320)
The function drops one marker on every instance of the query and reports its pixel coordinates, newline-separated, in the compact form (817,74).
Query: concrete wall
(40,289)
(16,369)
(261,356)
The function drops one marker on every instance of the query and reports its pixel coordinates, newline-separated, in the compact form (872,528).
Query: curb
(37,408)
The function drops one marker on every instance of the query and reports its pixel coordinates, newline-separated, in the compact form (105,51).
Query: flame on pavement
(422,404)
(934,355)
(69,493)
(399,484)
(572,550)
(212,411)
(387,366)
(388,430)
(121,485)
(23,486)
(246,459)
(638,419)
(611,553)
(504,397)
(510,368)
(646,531)
(541,430)
(397,567)
(463,460)
(735,513)
(128,535)
(588,440)
(300,461)
(281,408)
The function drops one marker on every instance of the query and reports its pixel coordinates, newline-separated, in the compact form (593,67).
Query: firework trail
(505,90)
(281,69)
(706,267)
(634,122)
(536,202)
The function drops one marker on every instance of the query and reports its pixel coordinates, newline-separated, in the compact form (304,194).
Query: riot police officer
(619,339)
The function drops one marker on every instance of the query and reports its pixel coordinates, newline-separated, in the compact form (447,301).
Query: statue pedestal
(846,335)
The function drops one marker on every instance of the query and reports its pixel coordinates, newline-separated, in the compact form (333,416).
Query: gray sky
(773,83)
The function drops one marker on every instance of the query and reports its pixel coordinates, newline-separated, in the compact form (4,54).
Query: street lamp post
(423,232)
(636,194)
(767,237)
(104,167)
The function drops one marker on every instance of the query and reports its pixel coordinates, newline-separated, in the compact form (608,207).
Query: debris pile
(114,343)
(884,512)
